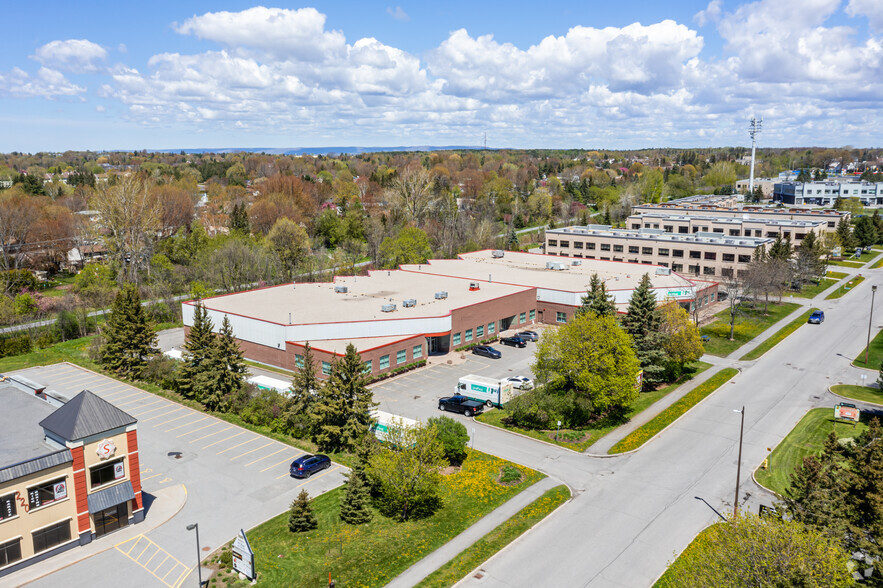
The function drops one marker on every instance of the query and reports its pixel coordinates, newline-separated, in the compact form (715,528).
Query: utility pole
(753,130)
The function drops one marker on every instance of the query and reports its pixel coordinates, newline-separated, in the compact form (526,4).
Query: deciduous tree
(410,246)
(291,243)
(681,340)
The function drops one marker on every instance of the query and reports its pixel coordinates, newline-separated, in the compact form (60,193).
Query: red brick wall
(83,523)
(493,311)
(134,466)
(547,312)
(372,355)
(262,353)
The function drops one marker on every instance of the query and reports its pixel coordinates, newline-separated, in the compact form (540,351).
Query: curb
(832,393)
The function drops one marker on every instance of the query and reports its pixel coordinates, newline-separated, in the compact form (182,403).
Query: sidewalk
(417,572)
(164,505)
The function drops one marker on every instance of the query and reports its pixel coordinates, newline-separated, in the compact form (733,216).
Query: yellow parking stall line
(139,400)
(235,446)
(146,547)
(210,434)
(137,541)
(265,457)
(159,549)
(182,577)
(147,563)
(166,575)
(183,416)
(225,439)
(114,384)
(199,429)
(128,396)
(149,411)
(251,450)
(159,416)
(153,571)
(281,462)
(185,425)
(148,478)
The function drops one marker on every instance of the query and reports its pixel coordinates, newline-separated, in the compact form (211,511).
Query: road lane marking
(149,411)
(163,414)
(139,400)
(183,416)
(292,458)
(185,425)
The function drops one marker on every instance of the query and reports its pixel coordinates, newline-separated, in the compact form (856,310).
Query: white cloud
(73,55)
(48,83)
(398,13)
(711,13)
(872,9)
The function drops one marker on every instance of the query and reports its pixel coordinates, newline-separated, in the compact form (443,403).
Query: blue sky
(171,75)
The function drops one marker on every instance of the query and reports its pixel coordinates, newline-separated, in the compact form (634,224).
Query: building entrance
(111,519)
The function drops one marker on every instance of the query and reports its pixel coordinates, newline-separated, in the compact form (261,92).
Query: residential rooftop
(363,299)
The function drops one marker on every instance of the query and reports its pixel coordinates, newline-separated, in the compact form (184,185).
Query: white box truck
(385,420)
(491,391)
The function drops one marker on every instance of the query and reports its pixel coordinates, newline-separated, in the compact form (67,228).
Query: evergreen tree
(864,232)
(757,196)
(342,413)
(198,350)
(865,492)
(803,176)
(129,337)
(809,262)
(597,300)
(844,234)
(239,219)
(781,248)
(304,387)
(817,495)
(222,373)
(877,220)
(354,503)
(643,323)
(300,515)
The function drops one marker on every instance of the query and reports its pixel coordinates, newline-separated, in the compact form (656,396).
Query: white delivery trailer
(383,421)
(268,383)
(491,391)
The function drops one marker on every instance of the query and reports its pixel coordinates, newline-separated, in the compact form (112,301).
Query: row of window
(47,538)
(665,252)
(467,335)
(697,229)
(401,357)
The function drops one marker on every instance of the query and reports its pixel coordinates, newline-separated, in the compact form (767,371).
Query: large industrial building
(397,317)
(69,472)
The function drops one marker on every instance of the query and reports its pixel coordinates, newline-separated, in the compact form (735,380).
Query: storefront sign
(106,449)
(243,556)
(119,471)
(60,489)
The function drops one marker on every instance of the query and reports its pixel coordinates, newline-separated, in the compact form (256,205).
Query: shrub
(67,326)
(45,339)
(17,345)
(162,371)
(16,281)
(453,436)
(543,408)
(162,313)
(509,474)
(263,408)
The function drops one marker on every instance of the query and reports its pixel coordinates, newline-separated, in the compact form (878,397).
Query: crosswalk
(156,560)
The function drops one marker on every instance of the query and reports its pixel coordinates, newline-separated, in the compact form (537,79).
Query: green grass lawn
(875,355)
(699,543)
(649,430)
(375,553)
(451,573)
(750,322)
(779,336)
(854,264)
(836,275)
(862,393)
(74,351)
(813,290)
(805,439)
(581,439)
(842,290)
(878,264)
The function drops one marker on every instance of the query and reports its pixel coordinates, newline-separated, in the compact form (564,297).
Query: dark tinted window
(10,552)
(52,536)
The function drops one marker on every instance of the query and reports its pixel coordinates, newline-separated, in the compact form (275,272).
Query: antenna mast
(753,129)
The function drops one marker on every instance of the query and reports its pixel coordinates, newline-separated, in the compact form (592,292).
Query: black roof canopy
(84,415)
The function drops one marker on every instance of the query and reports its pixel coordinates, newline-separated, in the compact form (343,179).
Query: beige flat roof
(312,303)
(529,269)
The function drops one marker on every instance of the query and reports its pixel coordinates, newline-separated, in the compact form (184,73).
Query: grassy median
(805,439)
(480,551)
(649,430)
(875,354)
(750,322)
(779,336)
(860,393)
(845,288)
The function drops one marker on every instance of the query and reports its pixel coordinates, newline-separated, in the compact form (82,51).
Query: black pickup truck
(460,404)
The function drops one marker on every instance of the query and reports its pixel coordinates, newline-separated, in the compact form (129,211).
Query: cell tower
(754,126)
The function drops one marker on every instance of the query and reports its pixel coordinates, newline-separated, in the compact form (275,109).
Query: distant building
(731,226)
(826,192)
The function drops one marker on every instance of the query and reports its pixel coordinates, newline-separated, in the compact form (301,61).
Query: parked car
(487,351)
(817,317)
(521,382)
(307,465)
(529,335)
(515,341)
(460,404)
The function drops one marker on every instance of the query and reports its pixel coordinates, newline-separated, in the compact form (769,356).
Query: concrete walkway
(417,572)
(164,504)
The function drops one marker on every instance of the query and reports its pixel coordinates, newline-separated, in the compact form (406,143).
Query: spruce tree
(300,515)
(354,503)
(844,234)
(864,232)
(817,495)
(643,322)
(865,492)
(129,337)
(342,413)
(198,349)
(222,372)
(304,387)
(239,219)
(597,300)
(781,248)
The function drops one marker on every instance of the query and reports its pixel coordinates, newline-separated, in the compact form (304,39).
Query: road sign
(243,556)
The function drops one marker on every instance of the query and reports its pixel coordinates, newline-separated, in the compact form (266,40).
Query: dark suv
(515,341)
(487,351)
(307,465)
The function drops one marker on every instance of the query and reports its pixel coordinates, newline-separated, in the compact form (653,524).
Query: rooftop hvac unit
(663,271)
(473,286)
(576,262)
(388,308)
(341,289)
(441,295)
(557,265)
(409,303)
(497,253)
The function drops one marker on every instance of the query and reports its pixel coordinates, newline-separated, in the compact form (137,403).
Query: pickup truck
(460,404)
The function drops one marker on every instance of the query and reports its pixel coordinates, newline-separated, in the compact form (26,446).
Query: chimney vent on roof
(409,303)
(341,289)
(497,253)
(388,308)
(441,295)
(474,286)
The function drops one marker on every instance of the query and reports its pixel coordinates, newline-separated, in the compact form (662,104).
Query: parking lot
(234,479)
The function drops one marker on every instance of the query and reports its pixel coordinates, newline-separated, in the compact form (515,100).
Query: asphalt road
(633,514)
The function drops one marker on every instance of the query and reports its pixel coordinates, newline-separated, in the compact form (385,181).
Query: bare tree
(18,213)
(736,290)
(131,213)
(411,192)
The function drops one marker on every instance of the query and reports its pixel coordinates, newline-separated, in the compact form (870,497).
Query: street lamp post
(195,526)
(870,321)
(739,464)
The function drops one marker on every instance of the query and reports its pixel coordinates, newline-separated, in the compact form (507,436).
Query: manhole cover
(176,454)
(206,548)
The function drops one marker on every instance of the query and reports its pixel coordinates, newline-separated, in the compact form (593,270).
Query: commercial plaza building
(69,472)
(697,254)
(731,226)
(395,318)
(830,217)
(826,192)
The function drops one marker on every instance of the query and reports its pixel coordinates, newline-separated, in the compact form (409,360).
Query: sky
(560,74)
